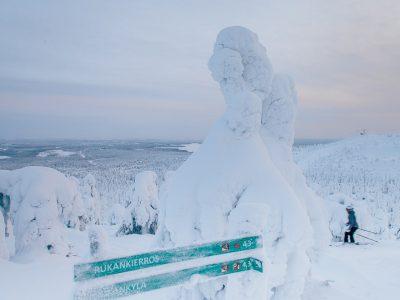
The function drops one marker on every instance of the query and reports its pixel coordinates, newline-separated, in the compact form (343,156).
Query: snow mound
(43,202)
(230,187)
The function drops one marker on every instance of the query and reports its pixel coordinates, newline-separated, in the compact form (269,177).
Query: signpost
(141,285)
(146,260)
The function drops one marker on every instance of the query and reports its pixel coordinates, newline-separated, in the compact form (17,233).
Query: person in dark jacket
(352,225)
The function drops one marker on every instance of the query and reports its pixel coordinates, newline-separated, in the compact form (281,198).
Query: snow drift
(230,187)
(43,202)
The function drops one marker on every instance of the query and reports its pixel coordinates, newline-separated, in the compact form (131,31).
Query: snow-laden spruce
(43,203)
(140,215)
(277,131)
(4,252)
(230,187)
(91,199)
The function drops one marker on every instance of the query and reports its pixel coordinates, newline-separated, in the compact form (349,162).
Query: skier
(352,225)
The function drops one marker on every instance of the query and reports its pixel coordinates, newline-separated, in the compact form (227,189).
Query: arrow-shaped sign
(146,260)
(126,288)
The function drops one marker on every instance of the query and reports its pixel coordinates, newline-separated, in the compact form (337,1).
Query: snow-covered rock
(141,210)
(43,202)
(230,186)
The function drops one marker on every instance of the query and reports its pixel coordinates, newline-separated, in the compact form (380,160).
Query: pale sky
(138,69)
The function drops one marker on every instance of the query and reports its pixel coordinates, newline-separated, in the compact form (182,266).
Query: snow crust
(231,187)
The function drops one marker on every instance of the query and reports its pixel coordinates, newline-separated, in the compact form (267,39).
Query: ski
(131,287)
(97,269)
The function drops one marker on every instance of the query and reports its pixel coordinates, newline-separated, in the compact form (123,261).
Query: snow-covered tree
(4,253)
(279,111)
(230,187)
(277,132)
(98,241)
(141,210)
(91,198)
(43,201)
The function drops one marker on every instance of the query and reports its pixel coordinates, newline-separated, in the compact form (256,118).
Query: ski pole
(368,231)
(366,238)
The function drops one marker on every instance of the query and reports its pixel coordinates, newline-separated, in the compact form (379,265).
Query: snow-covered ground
(369,272)
(364,272)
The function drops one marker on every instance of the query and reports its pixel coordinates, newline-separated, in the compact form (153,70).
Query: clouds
(129,58)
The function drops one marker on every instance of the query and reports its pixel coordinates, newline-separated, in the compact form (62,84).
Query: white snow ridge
(230,186)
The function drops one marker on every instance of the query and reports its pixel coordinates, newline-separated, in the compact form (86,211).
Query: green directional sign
(126,288)
(146,260)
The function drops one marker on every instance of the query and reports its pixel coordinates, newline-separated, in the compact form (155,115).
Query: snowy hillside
(364,170)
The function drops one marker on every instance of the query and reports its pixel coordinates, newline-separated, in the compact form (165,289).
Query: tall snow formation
(43,202)
(277,132)
(91,199)
(141,210)
(230,187)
